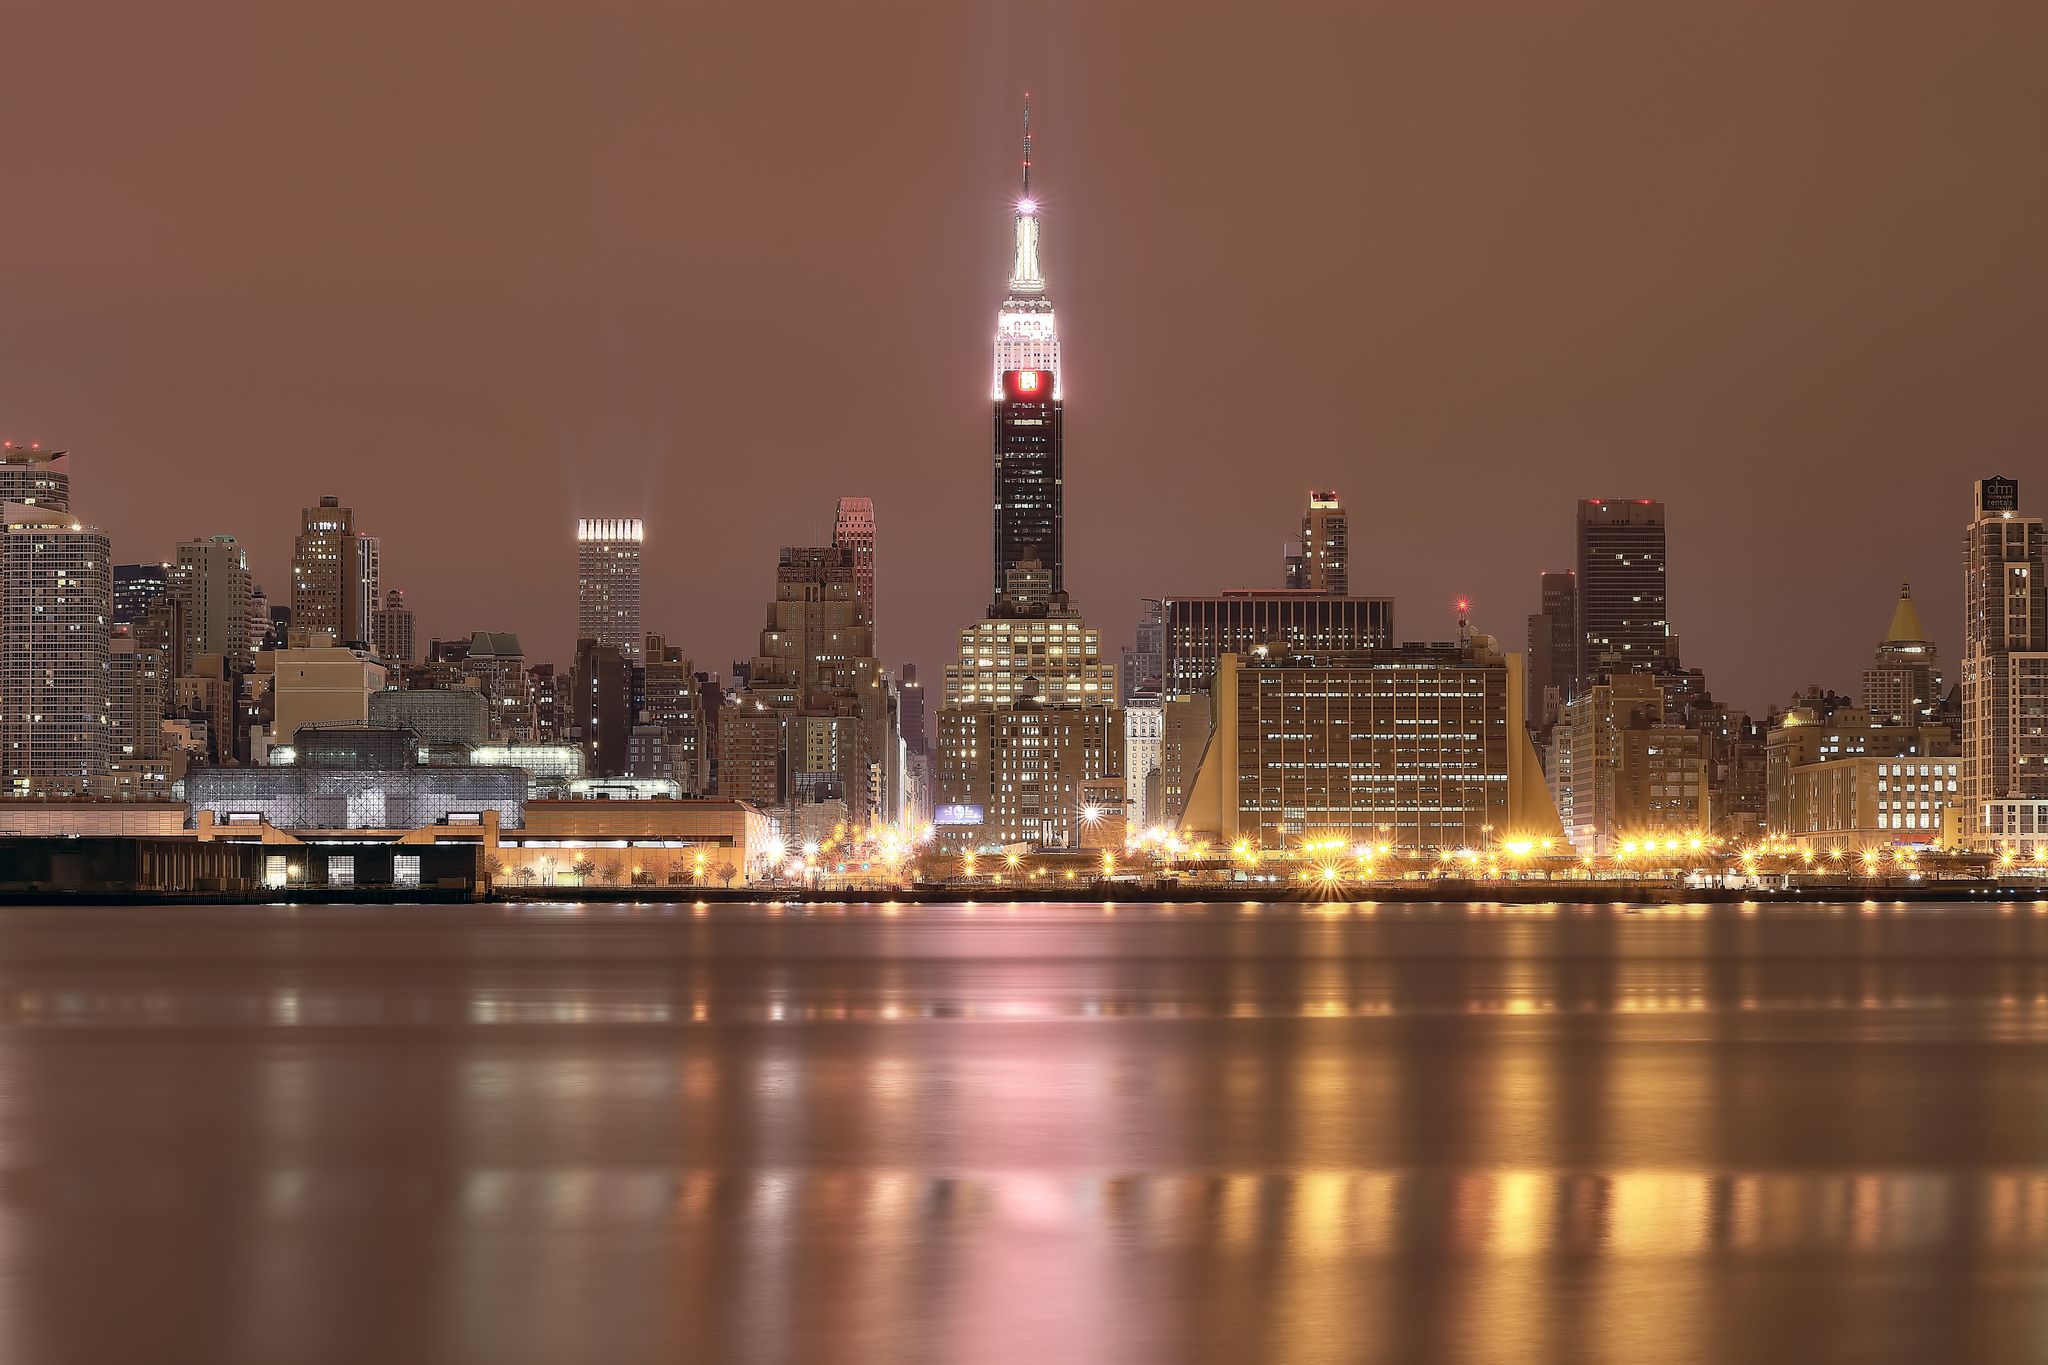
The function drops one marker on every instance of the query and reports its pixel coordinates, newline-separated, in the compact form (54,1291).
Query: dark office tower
(1030,520)
(1622,621)
(854,529)
(1143,668)
(1553,657)
(912,725)
(134,586)
(601,706)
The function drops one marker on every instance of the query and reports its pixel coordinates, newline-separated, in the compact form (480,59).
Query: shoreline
(1448,891)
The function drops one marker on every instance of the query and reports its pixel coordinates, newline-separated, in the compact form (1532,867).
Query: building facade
(608,583)
(1622,619)
(1200,630)
(1029,416)
(35,477)
(1415,747)
(324,685)
(1142,670)
(1902,686)
(335,570)
(440,715)
(2005,652)
(601,706)
(1144,725)
(750,758)
(1591,763)
(1054,658)
(1016,774)
(1323,564)
(1552,656)
(211,577)
(1860,802)
(853,528)
(817,663)
(135,587)
(56,597)
(391,630)
(498,663)
(1812,738)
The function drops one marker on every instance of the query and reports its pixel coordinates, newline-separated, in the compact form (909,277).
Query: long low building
(341,798)
(356,777)
(188,865)
(659,841)
(1420,746)
(85,816)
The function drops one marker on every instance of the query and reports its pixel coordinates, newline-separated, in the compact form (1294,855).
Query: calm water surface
(1403,1133)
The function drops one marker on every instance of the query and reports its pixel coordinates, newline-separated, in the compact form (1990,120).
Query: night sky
(480,269)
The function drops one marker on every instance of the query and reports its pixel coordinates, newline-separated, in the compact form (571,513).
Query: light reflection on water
(1346,1133)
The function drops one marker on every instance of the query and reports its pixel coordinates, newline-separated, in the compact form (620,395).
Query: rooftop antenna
(1464,623)
(1027,144)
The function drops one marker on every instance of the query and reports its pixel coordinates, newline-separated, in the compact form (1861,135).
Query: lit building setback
(608,583)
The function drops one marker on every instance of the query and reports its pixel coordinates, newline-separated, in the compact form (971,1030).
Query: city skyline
(1320,364)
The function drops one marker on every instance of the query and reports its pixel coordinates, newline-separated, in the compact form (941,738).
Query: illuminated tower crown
(1026,336)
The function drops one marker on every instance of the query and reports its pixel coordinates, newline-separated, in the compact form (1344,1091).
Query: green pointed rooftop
(1905,620)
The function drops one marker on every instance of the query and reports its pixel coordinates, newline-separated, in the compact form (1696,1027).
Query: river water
(1024,1133)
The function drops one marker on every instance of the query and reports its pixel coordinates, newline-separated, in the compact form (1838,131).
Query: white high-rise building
(1144,724)
(608,583)
(1027,337)
(56,603)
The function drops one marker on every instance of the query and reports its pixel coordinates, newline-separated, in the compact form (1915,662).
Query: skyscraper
(1553,657)
(1030,517)
(1200,630)
(601,704)
(56,598)
(391,630)
(1622,623)
(816,669)
(211,577)
(134,586)
(334,573)
(912,710)
(34,476)
(608,583)
(854,529)
(259,613)
(2005,653)
(1325,546)
(1144,666)
(1902,686)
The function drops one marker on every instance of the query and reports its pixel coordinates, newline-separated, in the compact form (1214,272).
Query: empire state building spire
(1025,276)
(1026,336)
(1030,518)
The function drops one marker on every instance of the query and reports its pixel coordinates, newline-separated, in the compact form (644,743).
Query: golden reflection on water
(1360,1133)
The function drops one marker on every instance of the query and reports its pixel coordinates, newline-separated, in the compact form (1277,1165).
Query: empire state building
(1030,520)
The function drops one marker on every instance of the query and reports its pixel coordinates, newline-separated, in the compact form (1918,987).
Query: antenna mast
(1027,144)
